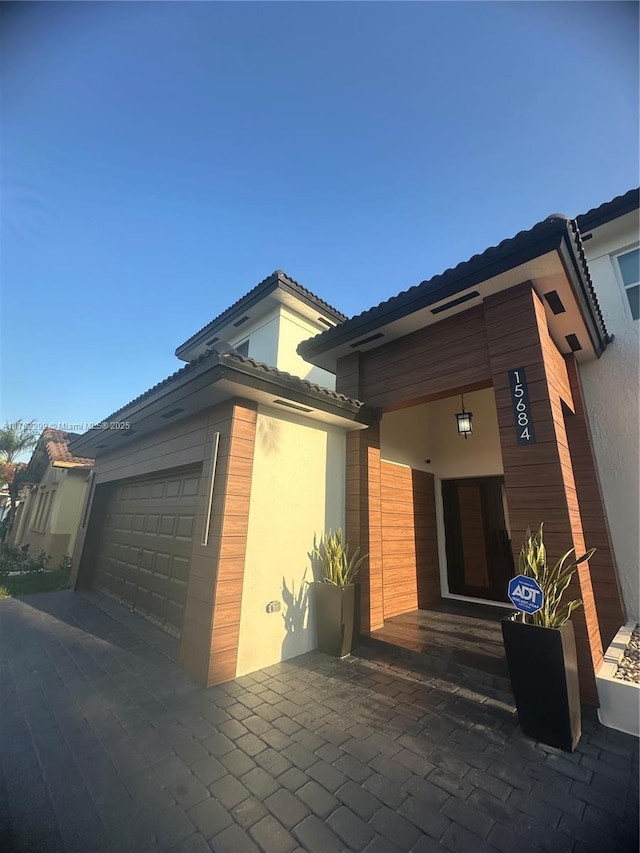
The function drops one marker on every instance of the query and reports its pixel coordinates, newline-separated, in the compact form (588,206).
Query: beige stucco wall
(297,490)
(610,387)
(60,535)
(411,436)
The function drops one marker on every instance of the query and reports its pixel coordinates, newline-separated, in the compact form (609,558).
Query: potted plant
(334,594)
(541,651)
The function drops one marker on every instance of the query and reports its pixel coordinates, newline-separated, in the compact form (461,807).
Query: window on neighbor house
(629,268)
(43,511)
(47,515)
(36,516)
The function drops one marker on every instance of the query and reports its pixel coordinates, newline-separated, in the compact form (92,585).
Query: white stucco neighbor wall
(610,388)
(297,490)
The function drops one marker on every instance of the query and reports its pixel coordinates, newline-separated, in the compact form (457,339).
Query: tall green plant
(552,580)
(332,553)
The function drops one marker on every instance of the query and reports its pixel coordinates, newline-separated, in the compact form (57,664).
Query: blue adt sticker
(525,594)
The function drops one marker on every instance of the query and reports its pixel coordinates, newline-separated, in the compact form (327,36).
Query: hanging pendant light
(465,421)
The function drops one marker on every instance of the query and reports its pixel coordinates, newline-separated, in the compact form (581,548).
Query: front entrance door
(479,558)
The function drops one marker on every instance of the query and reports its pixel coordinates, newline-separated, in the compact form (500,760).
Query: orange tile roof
(57,443)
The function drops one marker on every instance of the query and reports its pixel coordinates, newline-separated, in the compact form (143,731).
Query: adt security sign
(525,594)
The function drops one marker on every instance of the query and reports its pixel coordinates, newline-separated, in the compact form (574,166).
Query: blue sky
(160,159)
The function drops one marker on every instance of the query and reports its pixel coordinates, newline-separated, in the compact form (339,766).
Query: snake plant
(553,581)
(332,553)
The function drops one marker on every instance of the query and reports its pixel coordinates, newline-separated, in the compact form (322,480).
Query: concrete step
(440,662)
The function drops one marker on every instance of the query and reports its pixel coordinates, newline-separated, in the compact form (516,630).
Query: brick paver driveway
(107,745)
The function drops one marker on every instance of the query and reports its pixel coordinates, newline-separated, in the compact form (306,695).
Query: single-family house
(437,427)
(209,487)
(48,518)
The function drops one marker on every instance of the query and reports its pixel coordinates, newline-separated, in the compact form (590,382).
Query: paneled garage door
(145,549)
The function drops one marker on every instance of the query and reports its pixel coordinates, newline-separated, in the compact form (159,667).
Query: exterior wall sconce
(465,421)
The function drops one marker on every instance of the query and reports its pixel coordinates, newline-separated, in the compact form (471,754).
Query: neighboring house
(49,517)
(209,488)
(611,237)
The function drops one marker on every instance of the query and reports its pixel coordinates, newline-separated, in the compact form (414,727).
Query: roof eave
(555,234)
(276,281)
(610,210)
(232,376)
(474,272)
(245,374)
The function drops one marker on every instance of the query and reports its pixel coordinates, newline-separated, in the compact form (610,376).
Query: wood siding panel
(363,522)
(427,363)
(539,479)
(233,526)
(410,571)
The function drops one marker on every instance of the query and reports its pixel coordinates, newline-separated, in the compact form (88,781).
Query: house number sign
(521,408)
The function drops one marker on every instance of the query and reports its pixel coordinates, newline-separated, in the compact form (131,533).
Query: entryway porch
(449,636)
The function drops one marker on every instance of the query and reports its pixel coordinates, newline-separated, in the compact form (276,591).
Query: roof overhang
(276,290)
(214,379)
(550,256)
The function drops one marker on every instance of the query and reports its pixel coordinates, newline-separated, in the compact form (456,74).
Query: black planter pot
(543,667)
(334,608)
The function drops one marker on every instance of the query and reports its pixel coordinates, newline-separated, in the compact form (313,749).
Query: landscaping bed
(629,666)
(618,682)
(22,573)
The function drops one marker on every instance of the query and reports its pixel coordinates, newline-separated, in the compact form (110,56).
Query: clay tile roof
(610,210)
(56,442)
(459,276)
(273,373)
(406,297)
(267,285)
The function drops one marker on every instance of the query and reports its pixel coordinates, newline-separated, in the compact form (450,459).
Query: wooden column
(363,521)
(411,573)
(539,478)
(604,575)
(209,647)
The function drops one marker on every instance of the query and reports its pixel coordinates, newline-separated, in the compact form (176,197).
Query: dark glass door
(479,558)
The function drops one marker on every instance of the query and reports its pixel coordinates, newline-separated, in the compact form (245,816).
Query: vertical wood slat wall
(539,478)
(233,524)
(410,569)
(363,521)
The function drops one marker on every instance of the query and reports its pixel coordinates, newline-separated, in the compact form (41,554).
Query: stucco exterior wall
(610,387)
(293,330)
(297,490)
(274,338)
(58,539)
(429,431)
(263,337)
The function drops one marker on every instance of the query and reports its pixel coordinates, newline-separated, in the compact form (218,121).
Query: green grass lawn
(33,582)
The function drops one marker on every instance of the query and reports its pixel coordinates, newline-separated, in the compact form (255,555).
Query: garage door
(145,548)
